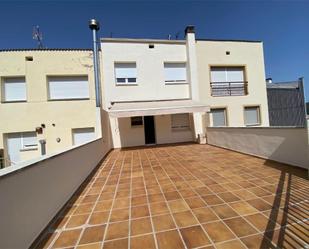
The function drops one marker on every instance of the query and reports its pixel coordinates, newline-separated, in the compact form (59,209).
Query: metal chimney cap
(190,29)
(94,24)
(269,80)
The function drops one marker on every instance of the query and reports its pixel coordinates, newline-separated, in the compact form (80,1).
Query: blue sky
(283,26)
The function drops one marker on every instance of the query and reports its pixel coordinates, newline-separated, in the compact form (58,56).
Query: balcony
(236,88)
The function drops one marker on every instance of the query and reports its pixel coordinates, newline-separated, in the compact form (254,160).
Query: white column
(192,75)
(192,63)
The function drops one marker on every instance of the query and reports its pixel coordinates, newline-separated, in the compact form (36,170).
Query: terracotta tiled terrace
(185,196)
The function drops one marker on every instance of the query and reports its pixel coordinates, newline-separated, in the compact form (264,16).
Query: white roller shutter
(175,72)
(83,135)
(180,121)
(15,89)
(70,87)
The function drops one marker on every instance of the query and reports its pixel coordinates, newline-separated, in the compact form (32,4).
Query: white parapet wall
(31,193)
(283,144)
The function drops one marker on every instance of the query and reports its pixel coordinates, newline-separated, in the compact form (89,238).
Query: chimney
(269,80)
(95,26)
(190,29)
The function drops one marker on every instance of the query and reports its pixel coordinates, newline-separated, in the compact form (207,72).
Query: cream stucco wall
(281,144)
(150,70)
(65,115)
(247,54)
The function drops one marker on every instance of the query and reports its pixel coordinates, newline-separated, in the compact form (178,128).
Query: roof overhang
(149,108)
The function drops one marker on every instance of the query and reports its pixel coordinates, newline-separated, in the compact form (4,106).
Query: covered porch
(156,122)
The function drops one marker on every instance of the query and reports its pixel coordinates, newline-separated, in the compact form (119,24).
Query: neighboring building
(286,103)
(161,91)
(48,96)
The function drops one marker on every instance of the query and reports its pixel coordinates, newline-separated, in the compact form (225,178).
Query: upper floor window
(180,121)
(228,81)
(14,89)
(252,115)
(125,73)
(218,116)
(68,87)
(175,72)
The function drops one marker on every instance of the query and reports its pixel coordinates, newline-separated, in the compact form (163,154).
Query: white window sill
(176,83)
(258,124)
(28,149)
(69,99)
(181,129)
(126,84)
(13,101)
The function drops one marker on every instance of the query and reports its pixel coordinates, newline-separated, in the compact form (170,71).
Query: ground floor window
(82,135)
(20,141)
(180,121)
(218,116)
(252,115)
(136,121)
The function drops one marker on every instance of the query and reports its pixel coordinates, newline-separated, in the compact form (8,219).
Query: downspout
(95,26)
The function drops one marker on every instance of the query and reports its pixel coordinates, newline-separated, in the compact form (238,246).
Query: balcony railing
(236,88)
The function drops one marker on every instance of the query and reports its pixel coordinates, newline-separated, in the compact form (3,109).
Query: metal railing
(236,88)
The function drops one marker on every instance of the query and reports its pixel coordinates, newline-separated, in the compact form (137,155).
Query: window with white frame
(83,135)
(180,121)
(20,141)
(175,72)
(68,87)
(252,115)
(227,74)
(125,73)
(218,116)
(14,89)
(136,121)
(228,81)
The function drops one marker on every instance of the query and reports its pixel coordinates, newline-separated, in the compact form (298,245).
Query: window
(83,135)
(68,87)
(19,141)
(218,117)
(28,140)
(125,73)
(252,115)
(14,89)
(175,72)
(228,81)
(180,121)
(136,121)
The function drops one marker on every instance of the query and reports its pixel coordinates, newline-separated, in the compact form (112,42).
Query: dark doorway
(149,128)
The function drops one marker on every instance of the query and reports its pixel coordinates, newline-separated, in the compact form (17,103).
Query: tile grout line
(114,197)
(130,201)
(96,202)
(63,229)
(148,204)
(162,192)
(227,203)
(210,240)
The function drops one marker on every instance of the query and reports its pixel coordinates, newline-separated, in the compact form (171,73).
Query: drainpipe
(95,26)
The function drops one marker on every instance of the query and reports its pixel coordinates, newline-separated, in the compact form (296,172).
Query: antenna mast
(37,35)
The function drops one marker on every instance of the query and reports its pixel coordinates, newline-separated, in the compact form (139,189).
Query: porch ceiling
(146,108)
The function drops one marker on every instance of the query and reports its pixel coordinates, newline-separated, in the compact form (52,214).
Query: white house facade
(170,91)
